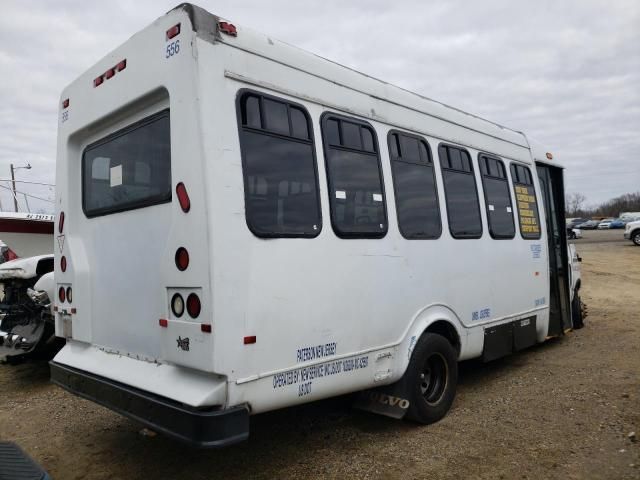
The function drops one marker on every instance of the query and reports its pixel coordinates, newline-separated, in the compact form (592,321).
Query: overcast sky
(567,73)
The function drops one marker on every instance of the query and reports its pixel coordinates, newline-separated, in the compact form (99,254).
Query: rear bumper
(201,428)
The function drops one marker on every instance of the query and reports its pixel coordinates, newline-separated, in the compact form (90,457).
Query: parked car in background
(588,225)
(617,223)
(576,221)
(573,233)
(632,232)
(604,224)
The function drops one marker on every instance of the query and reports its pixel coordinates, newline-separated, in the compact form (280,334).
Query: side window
(356,189)
(461,192)
(497,197)
(414,185)
(279,167)
(526,201)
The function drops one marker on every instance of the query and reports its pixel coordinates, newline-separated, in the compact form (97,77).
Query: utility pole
(13,183)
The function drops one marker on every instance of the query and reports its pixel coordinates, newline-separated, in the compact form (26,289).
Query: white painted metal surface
(329,314)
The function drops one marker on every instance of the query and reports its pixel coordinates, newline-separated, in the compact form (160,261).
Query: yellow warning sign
(527,210)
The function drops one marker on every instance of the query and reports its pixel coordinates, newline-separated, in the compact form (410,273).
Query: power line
(28,194)
(25,181)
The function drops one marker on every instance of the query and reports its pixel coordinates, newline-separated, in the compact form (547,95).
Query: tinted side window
(497,197)
(354,176)
(461,193)
(129,169)
(279,168)
(526,201)
(415,187)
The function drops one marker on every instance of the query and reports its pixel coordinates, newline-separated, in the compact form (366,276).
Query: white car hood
(21,267)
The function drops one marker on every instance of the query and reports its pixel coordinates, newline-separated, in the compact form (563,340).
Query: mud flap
(387,400)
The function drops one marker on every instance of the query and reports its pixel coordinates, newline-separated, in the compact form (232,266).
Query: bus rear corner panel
(504,339)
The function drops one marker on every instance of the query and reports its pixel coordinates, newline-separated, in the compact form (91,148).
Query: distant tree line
(575,206)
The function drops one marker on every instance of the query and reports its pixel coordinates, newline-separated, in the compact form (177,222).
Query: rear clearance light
(61,222)
(250,339)
(61,294)
(205,327)
(69,294)
(183,197)
(65,104)
(173,31)
(110,73)
(228,28)
(193,305)
(63,263)
(73,310)
(182,259)
(177,305)
(163,322)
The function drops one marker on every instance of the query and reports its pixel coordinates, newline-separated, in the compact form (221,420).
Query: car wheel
(576,312)
(431,379)
(635,236)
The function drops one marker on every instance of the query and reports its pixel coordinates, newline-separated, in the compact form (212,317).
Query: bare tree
(574,203)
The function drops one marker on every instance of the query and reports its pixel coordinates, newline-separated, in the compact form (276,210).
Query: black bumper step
(200,428)
(15,464)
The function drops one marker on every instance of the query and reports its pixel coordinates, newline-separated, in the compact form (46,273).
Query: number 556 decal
(173,48)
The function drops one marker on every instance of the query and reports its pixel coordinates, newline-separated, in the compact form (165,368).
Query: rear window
(128,169)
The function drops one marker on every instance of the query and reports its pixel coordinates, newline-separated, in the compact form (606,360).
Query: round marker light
(182,259)
(63,263)
(61,294)
(177,305)
(69,296)
(193,305)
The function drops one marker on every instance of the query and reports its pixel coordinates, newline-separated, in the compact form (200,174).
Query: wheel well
(448,331)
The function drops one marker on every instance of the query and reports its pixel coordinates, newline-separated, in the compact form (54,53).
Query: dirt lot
(561,410)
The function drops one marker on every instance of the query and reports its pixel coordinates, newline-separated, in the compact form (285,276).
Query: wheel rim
(636,239)
(434,378)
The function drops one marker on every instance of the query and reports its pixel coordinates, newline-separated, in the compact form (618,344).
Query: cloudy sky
(567,73)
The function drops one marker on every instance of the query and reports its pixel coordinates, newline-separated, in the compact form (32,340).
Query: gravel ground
(563,410)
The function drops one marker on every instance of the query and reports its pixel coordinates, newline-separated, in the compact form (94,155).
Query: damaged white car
(26,316)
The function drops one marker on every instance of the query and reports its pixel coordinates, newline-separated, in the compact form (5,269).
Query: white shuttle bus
(242,226)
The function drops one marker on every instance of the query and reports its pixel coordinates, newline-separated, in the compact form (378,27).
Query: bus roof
(312,64)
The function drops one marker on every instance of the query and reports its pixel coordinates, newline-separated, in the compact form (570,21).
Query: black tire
(431,379)
(576,312)
(635,237)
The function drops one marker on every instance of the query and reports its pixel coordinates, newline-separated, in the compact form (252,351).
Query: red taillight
(182,259)
(249,339)
(122,65)
(98,81)
(63,263)
(173,31)
(183,197)
(228,28)
(61,294)
(193,305)
(10,255)
(205,327)
(61,222)
(110,73)
(69,296)
(163,322)
(65,104)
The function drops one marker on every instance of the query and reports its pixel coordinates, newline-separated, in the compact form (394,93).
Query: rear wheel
(635,236)
(576,312)
(431,379)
